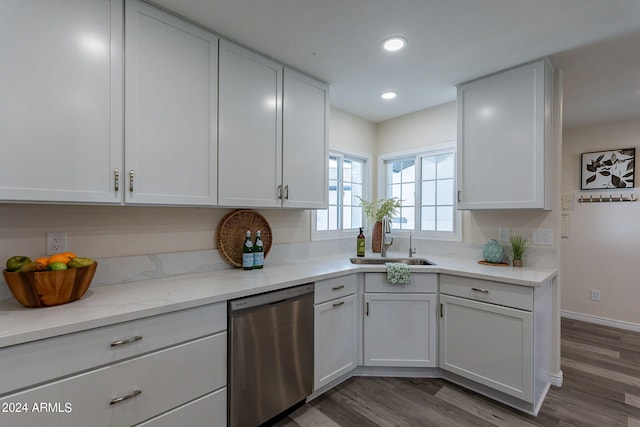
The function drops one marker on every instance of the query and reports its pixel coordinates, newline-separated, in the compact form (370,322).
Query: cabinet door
(61,109)
(336,339)
(304,141)
(400,330)
(171,103)
(504,140)
(489,344)
(250,128)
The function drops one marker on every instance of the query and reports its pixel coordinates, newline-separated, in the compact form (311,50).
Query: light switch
(566,202)
(564,226)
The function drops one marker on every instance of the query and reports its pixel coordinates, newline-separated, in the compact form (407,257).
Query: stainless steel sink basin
(408,261)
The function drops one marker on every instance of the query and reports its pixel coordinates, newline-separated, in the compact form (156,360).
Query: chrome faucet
(386,229)
(412,250)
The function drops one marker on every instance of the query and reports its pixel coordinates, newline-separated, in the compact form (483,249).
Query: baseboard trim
(556,378)
(601,321)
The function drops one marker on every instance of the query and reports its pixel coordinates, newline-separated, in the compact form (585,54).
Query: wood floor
(601,388)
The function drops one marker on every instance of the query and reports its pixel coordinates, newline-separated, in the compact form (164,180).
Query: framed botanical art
(608,169)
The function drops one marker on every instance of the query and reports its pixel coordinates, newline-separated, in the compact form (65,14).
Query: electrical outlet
(56,243)
(595,295)
(503,234)
(543,236)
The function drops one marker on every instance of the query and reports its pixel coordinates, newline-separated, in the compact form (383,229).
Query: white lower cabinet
(400,322)
(167,381)
(498,336)
(336,334)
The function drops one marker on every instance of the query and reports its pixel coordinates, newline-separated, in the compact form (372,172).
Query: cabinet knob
(482,291)
(337,288)
(338,304)
(279,192)
(131,180)
(286,192)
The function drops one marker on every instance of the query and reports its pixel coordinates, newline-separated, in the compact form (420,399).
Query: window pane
(445,191)
(333,168)
(346,195)
(429,167)
(408,194)
(408,215)
(346,170)
(356,190)
(357,174)
(321,219)
(333,192)
(394,172)
(333,218)
(429,193)
(356,217)
(346,218)
(408,171)
(428,218)
(445,166)
(445,218)
(396,191)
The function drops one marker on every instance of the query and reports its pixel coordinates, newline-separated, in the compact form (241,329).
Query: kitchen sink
(376,260)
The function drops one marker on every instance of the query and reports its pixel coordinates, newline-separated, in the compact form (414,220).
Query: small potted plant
(375,211)
(519,246)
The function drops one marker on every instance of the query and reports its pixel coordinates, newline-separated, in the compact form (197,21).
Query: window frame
(366,190)
(417,155)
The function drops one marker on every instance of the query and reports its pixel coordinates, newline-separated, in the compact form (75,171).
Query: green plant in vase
(375,211)
(519,246)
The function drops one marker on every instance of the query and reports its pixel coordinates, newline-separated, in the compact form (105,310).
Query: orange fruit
(71,255)
(43,260)
(58,258)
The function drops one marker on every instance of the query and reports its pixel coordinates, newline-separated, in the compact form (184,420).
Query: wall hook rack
(610,199)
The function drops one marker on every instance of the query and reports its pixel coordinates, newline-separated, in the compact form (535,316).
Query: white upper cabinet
(171,109)
(305,141)
(273,133)
(250,128)
(61,109)
(505,140)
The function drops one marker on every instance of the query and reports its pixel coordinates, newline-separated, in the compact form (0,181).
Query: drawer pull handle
(338,304)
(337,288)
(134,393)
(127,341)
(483,291)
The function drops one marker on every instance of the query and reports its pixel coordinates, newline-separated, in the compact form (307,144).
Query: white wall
(115,231)
(603,247)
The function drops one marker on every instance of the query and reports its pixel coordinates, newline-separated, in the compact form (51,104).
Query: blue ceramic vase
(493,252)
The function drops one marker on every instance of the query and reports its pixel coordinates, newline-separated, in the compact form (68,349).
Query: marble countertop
(108,304)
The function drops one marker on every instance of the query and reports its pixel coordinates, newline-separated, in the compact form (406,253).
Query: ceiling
(596,44)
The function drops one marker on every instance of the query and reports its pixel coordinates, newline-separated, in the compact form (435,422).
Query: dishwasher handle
(270,298)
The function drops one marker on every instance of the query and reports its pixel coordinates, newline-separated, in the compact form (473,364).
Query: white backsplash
(142,267)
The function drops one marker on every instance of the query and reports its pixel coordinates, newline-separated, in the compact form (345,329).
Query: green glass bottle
(360,244)
(258,252)
(247,253)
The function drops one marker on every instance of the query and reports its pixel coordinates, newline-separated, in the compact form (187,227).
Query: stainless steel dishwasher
(270,354)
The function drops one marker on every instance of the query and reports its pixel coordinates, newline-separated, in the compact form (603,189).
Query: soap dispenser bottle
(360,244)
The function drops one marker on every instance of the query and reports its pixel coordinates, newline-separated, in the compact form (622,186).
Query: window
(346,183)
(425,183)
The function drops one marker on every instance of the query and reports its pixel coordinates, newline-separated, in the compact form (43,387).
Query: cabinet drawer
(209,410)
(39,361)
(487,291)
(420,283)
(165,379)
(328,289)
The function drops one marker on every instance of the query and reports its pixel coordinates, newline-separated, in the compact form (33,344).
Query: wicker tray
(232,231)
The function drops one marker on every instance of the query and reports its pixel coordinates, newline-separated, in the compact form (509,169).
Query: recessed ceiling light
(388,95)
(395,43)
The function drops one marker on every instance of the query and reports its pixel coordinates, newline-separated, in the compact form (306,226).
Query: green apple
(80,262)
(16,262)
(57,266)
(32,266)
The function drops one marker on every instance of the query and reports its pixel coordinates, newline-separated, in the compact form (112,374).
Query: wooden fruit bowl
(49,288)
